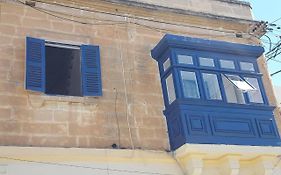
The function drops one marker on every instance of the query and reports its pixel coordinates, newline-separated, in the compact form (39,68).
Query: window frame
(262,91)
(207,57)
(256,70)
(90,71)
(219,80)
(227,59)
(217,69)
(241,78)
(199,86)
(49,45)
(176,52)
(168,59)
(243,93)
(166,88)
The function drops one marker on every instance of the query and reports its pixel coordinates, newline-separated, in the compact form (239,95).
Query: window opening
(63,70)
(240,83)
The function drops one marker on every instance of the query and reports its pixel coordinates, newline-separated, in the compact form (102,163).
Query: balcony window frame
(204,122)
(227,59)
(219,80)
(217,69)
(255,66)
(200,88)
(262,91)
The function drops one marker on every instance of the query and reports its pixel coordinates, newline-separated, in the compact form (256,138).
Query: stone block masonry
(132,102)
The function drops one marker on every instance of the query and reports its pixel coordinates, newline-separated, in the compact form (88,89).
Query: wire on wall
(116,118)
(126,96)
(230,33)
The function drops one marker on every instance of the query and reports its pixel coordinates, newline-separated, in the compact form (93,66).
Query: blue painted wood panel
(189,123)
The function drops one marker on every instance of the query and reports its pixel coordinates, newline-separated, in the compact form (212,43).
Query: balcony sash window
(246,66)
(190,85)
(212,88)
(167,64)
(208,62)
(170,89)
(254,96)
(239,83)
(233,94)
(227,64)
(185,59)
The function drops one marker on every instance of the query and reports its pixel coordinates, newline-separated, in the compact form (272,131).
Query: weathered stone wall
(131,105)
(131,88)
(229,8)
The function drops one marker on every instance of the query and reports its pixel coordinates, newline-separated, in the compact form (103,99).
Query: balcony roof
(184,42)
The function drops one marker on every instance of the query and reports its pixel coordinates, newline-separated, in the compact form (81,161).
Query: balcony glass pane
(227,64)
(212,87)
(167,64)
(255,95)
(190,85)
(170,89)
(209,62)
(247,66)
(185,59)
(239,82)
(233,94)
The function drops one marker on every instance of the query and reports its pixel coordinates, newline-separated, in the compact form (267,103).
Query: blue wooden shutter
(91,71)
(35,64)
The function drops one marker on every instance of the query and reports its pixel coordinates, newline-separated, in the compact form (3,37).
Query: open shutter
(35,64)
(91,71)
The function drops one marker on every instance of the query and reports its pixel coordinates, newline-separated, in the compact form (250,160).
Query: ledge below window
(37,99)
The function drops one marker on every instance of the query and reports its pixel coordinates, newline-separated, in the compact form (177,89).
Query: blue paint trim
(91,70)
(184,42)
(35,65)
(175,67)
(221,125)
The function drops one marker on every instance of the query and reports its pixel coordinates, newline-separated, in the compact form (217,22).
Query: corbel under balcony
(195,159)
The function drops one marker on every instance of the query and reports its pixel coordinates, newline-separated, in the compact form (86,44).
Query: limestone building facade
(51,124)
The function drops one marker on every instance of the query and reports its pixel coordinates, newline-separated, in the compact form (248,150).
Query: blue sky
(269,10)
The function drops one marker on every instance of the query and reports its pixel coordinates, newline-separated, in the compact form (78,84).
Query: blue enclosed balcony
(213,93)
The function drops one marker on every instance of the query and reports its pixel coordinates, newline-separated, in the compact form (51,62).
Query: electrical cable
(80,166)
(72,20)
(230,34)
(270,42)
(116,118)
(277,72)
(137,17)
(126,96)
(271,52)
(275,20)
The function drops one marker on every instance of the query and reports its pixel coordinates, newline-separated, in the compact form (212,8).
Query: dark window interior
(63,74)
